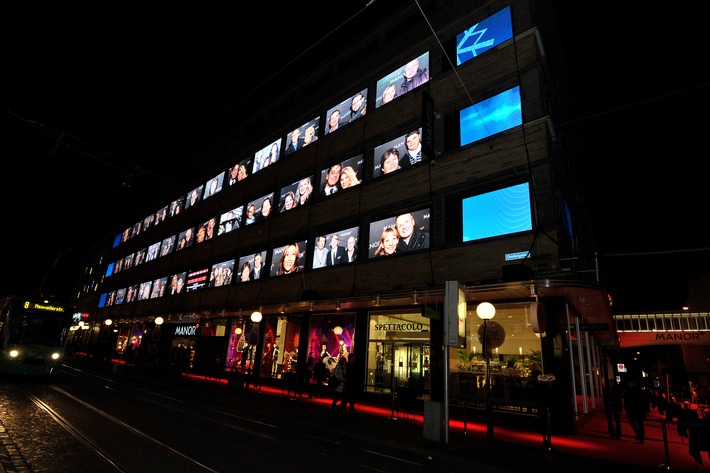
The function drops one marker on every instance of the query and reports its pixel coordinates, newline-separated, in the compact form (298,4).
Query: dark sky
(101,104)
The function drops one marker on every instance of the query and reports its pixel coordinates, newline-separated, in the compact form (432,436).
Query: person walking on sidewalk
(637,404)
(613,403)
(338,386)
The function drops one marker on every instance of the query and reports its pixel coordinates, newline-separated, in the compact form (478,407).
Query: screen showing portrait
(136,229)
(148,221)
(400,153)
(302,136)
(144,290)
(177,283)
(259,209)
(160,215)
(267,155)
(194,196)
(120,296)
(201,232)
(229,221)
(213,186)
(288,259)
(177,206)
(140,256)
(402,80)
(488,117)
(167,246)
(153,251)
(484,35)
(221,274)
(197,279)
(128,261)
(251,267)
(239,172)
(341,176)
(496,213)
(401,233)
(346,112)
(336,248)
(132,293)
(296,195)
(159,286)
(185,239)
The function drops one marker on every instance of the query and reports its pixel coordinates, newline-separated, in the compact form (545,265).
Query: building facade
(352,243)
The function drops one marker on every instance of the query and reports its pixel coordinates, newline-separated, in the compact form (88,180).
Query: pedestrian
(613,403)
(544,400)
(353,386)
(637,404)
(338,386)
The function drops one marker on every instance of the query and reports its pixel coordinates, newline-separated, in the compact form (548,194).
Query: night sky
(104,109)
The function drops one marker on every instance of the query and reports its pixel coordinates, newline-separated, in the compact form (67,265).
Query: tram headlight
(14,353)
(55,356)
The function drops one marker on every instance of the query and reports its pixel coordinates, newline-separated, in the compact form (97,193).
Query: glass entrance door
(398,364)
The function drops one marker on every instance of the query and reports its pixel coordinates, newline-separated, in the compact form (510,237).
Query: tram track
(115,424)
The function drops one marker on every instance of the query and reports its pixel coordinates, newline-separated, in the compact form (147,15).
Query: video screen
(408,231)
(159,286)
(406,78)
(341,176)
(148,221)
(259,209)
(132,293)
(221,274)
(288,259)
(213,186)
(167,246)
(109,269)
(346,111)
(128,261)
(484,35)
(160,215)
(501,212)
(201,231)
(488,117)
(177,283)
(251,267)
(229,221)
(144,290)
(153,251)
(140,256)
(117,240)
(336,248)
(400,153)
(136,229)
(266,156)
(197,279)
(296,194)
(239,172)
(185,239)
(194,196)
(302,136)
(120,296)
(177,206)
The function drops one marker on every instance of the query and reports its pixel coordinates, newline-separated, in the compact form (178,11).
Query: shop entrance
(399,364)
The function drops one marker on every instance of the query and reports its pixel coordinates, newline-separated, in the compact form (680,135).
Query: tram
(33,336)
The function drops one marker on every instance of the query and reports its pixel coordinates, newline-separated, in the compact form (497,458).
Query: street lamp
(486,311)
(256,317)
